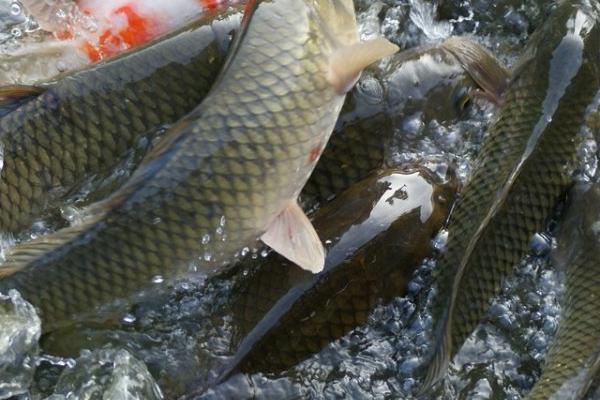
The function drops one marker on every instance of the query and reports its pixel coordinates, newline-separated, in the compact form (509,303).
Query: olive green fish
(86,123)
(525,166)
(573,359)
(380,230)
(223,176)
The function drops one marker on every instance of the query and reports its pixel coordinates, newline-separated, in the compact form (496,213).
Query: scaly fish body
(525,166)
(87,123)
(223,176)
(573,360)
(286,315)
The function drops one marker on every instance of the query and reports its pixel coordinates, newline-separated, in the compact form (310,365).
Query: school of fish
(265,126)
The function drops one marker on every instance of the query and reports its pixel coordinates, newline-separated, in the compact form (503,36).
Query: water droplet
(156,221)
(245,251)
(219,230)
(264,253)
(15,9)
(61,65)
(540,244)
(129,319)
(158,279)
(222,221)
(16,32)
(205,239)
(439,242)
(207,257)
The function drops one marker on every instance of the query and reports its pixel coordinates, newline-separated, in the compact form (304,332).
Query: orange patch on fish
(249,9)
(314,153)
(138,29)
(93,54)
(209,4)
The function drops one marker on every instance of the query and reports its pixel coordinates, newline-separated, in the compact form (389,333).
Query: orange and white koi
(104,28)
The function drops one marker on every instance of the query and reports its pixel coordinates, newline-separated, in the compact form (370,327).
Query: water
(177,335)
(21,330)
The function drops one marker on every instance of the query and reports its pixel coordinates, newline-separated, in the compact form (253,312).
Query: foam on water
(20,330)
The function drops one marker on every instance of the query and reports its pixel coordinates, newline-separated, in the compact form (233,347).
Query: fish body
(380,230)
(573,360)
(85,124)
(524,168)
(227,173)
(88,31)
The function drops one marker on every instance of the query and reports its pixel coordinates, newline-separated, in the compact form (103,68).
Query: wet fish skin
(224,171)
(380,230)
(573,360)
(525,166)
(84,124)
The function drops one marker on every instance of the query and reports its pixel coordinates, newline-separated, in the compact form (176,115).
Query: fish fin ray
(483,67)
(292,235)
(13,96)
(19,256)
(5,272)
(347,63)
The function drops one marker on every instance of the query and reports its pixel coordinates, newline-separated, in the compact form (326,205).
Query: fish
(223,176)
(64,133)
(87,31)
(356,151)
(380,230)
(573,360)
(523,171)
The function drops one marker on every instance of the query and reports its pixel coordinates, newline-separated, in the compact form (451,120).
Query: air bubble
(15,9)
(205,239)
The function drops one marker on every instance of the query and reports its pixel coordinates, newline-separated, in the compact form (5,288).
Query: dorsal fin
(13,96)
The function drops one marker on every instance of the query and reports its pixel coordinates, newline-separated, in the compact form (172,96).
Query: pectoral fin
(292,235)
(13,96)
(348,62)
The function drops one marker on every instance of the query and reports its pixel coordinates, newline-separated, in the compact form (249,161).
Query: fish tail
(437,363)
(483,67)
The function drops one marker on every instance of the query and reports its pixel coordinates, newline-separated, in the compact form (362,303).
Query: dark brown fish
(380,230)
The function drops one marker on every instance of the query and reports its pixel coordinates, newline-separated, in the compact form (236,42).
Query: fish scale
(573,360)
(215,181)
(482,251)
(575,350)
(86,123)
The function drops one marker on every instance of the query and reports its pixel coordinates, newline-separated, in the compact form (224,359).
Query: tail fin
(485,69)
